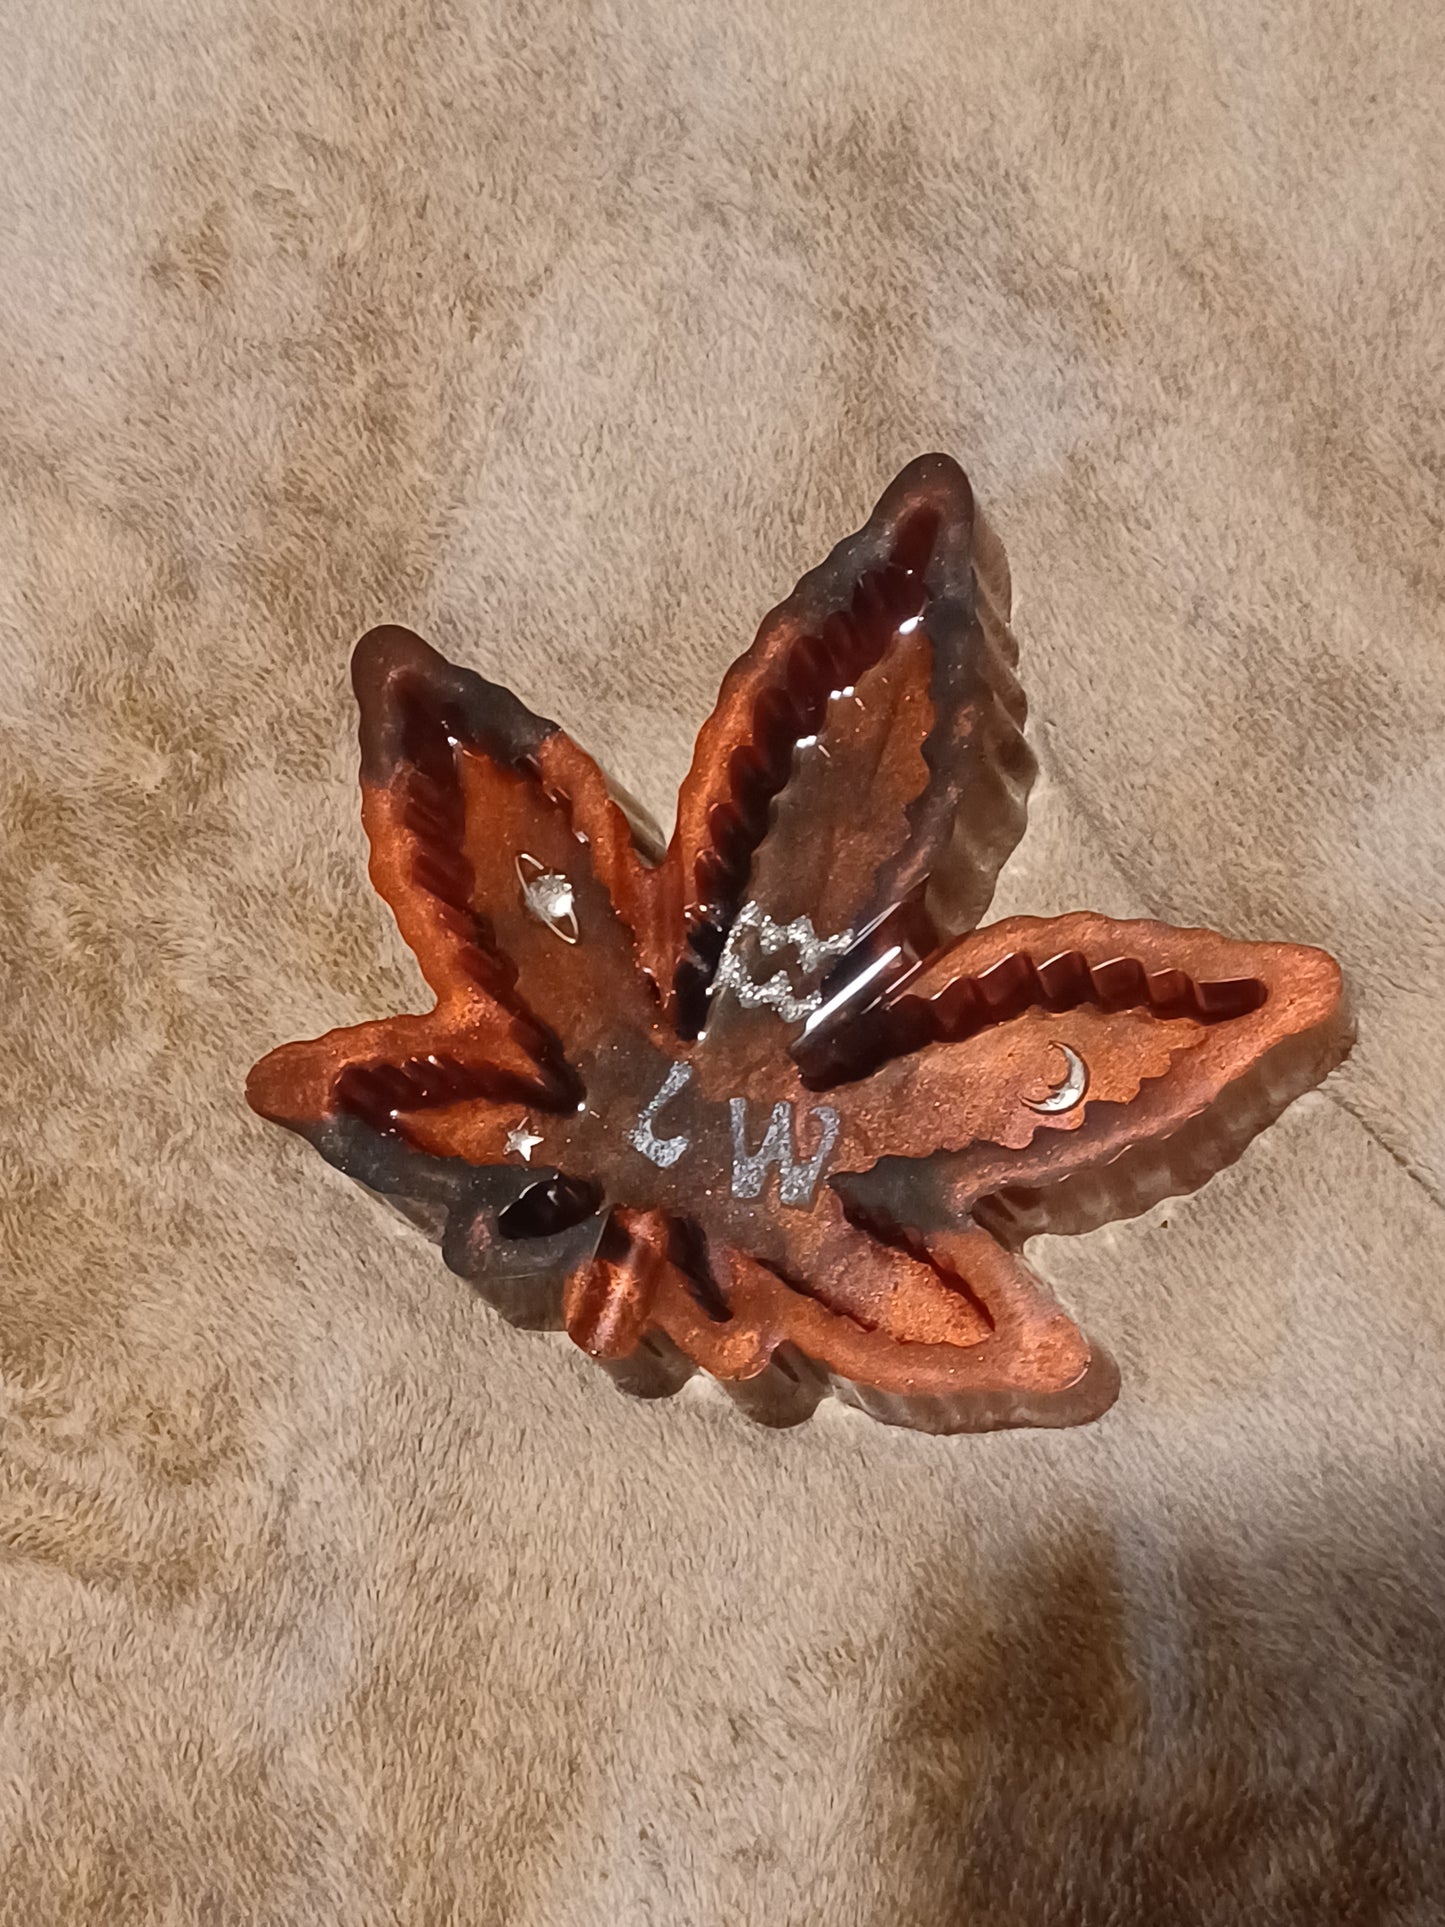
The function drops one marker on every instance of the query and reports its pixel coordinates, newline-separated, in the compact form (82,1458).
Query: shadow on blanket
(1247,1734)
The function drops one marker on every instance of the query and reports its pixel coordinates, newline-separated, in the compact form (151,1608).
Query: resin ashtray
(766,1101)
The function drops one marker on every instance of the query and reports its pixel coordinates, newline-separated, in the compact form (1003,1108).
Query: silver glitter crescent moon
(1066,1095)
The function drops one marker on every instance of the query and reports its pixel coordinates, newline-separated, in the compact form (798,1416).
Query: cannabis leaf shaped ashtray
(768,1101)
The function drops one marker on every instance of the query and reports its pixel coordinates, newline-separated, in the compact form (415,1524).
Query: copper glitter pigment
(745,1102)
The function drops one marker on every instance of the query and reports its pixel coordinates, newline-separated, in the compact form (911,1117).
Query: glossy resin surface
(768,1101)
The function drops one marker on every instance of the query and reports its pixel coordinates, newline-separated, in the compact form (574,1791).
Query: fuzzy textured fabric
(569,334)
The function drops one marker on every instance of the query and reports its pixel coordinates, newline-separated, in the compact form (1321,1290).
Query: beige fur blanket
(569,333)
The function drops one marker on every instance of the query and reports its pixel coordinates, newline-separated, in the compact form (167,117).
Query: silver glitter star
(524,1139)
